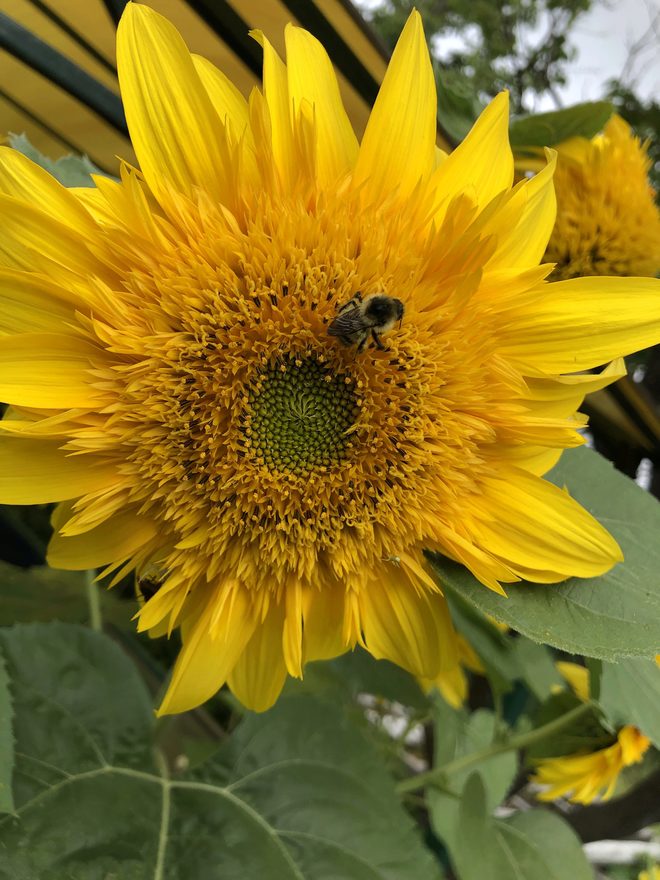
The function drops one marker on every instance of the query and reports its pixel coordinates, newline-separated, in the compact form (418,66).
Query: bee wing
(346,323)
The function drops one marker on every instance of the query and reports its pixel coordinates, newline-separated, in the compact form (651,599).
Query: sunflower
(175,387)
(584,776)
(608,222)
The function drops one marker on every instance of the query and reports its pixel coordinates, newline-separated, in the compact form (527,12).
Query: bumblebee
(148,583)
(359,318)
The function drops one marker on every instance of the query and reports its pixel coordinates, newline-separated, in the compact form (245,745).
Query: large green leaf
(6,743)
(630,694)
(535,845)
(549,129)
(297,793)
(613,616)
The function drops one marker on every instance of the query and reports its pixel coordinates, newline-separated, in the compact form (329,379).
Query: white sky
(603,38)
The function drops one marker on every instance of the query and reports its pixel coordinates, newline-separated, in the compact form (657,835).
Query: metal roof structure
(58,80)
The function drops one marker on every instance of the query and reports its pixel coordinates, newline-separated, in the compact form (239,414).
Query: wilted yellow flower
(175,387)
(588,775)
(608,222)
(583,777)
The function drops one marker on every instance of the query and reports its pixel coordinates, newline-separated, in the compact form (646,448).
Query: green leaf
(549,129)
(296,794)
(493,647)
(616,615)
(585,733)
(357,672)
(537,667)
(458,734)
(555,851)
(6,743)
(534,845)
(458,106)
(42,594)
(505,658)
(69,170)
(630,694)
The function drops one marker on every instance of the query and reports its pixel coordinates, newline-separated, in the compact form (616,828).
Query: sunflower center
(298,415)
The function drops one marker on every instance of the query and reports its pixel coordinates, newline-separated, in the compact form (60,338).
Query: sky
(603,38)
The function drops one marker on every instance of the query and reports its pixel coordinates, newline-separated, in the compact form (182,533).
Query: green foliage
(506,659)
(42,594)
(616,615)
(295,793)
(584,734)
(523,45)
(458,106)
(457,734)
(534,845)
(357,672)
(6,742)
(69,170)
(630,694)
(549,129)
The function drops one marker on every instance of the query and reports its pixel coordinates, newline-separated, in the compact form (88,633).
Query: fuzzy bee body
(148,583)
(360,318)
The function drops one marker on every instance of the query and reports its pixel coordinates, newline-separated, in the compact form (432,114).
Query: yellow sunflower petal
(33,240)
(48,370)
(528,522)
(38,471)
(30,304)
(406,625)
(311,78)
(577,677)
(293,628)
(524,224)
(176,133)
(276,92)
(535,459)
(483,161)
(398,147)
(634,744)
(259,674)
(452,684)
(560,397)
(323,616)
(208,656)
(22,179)
(582,323)
(117,538)
(229,103)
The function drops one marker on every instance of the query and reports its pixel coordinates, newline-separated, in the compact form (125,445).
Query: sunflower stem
(439,775)
(93,601)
